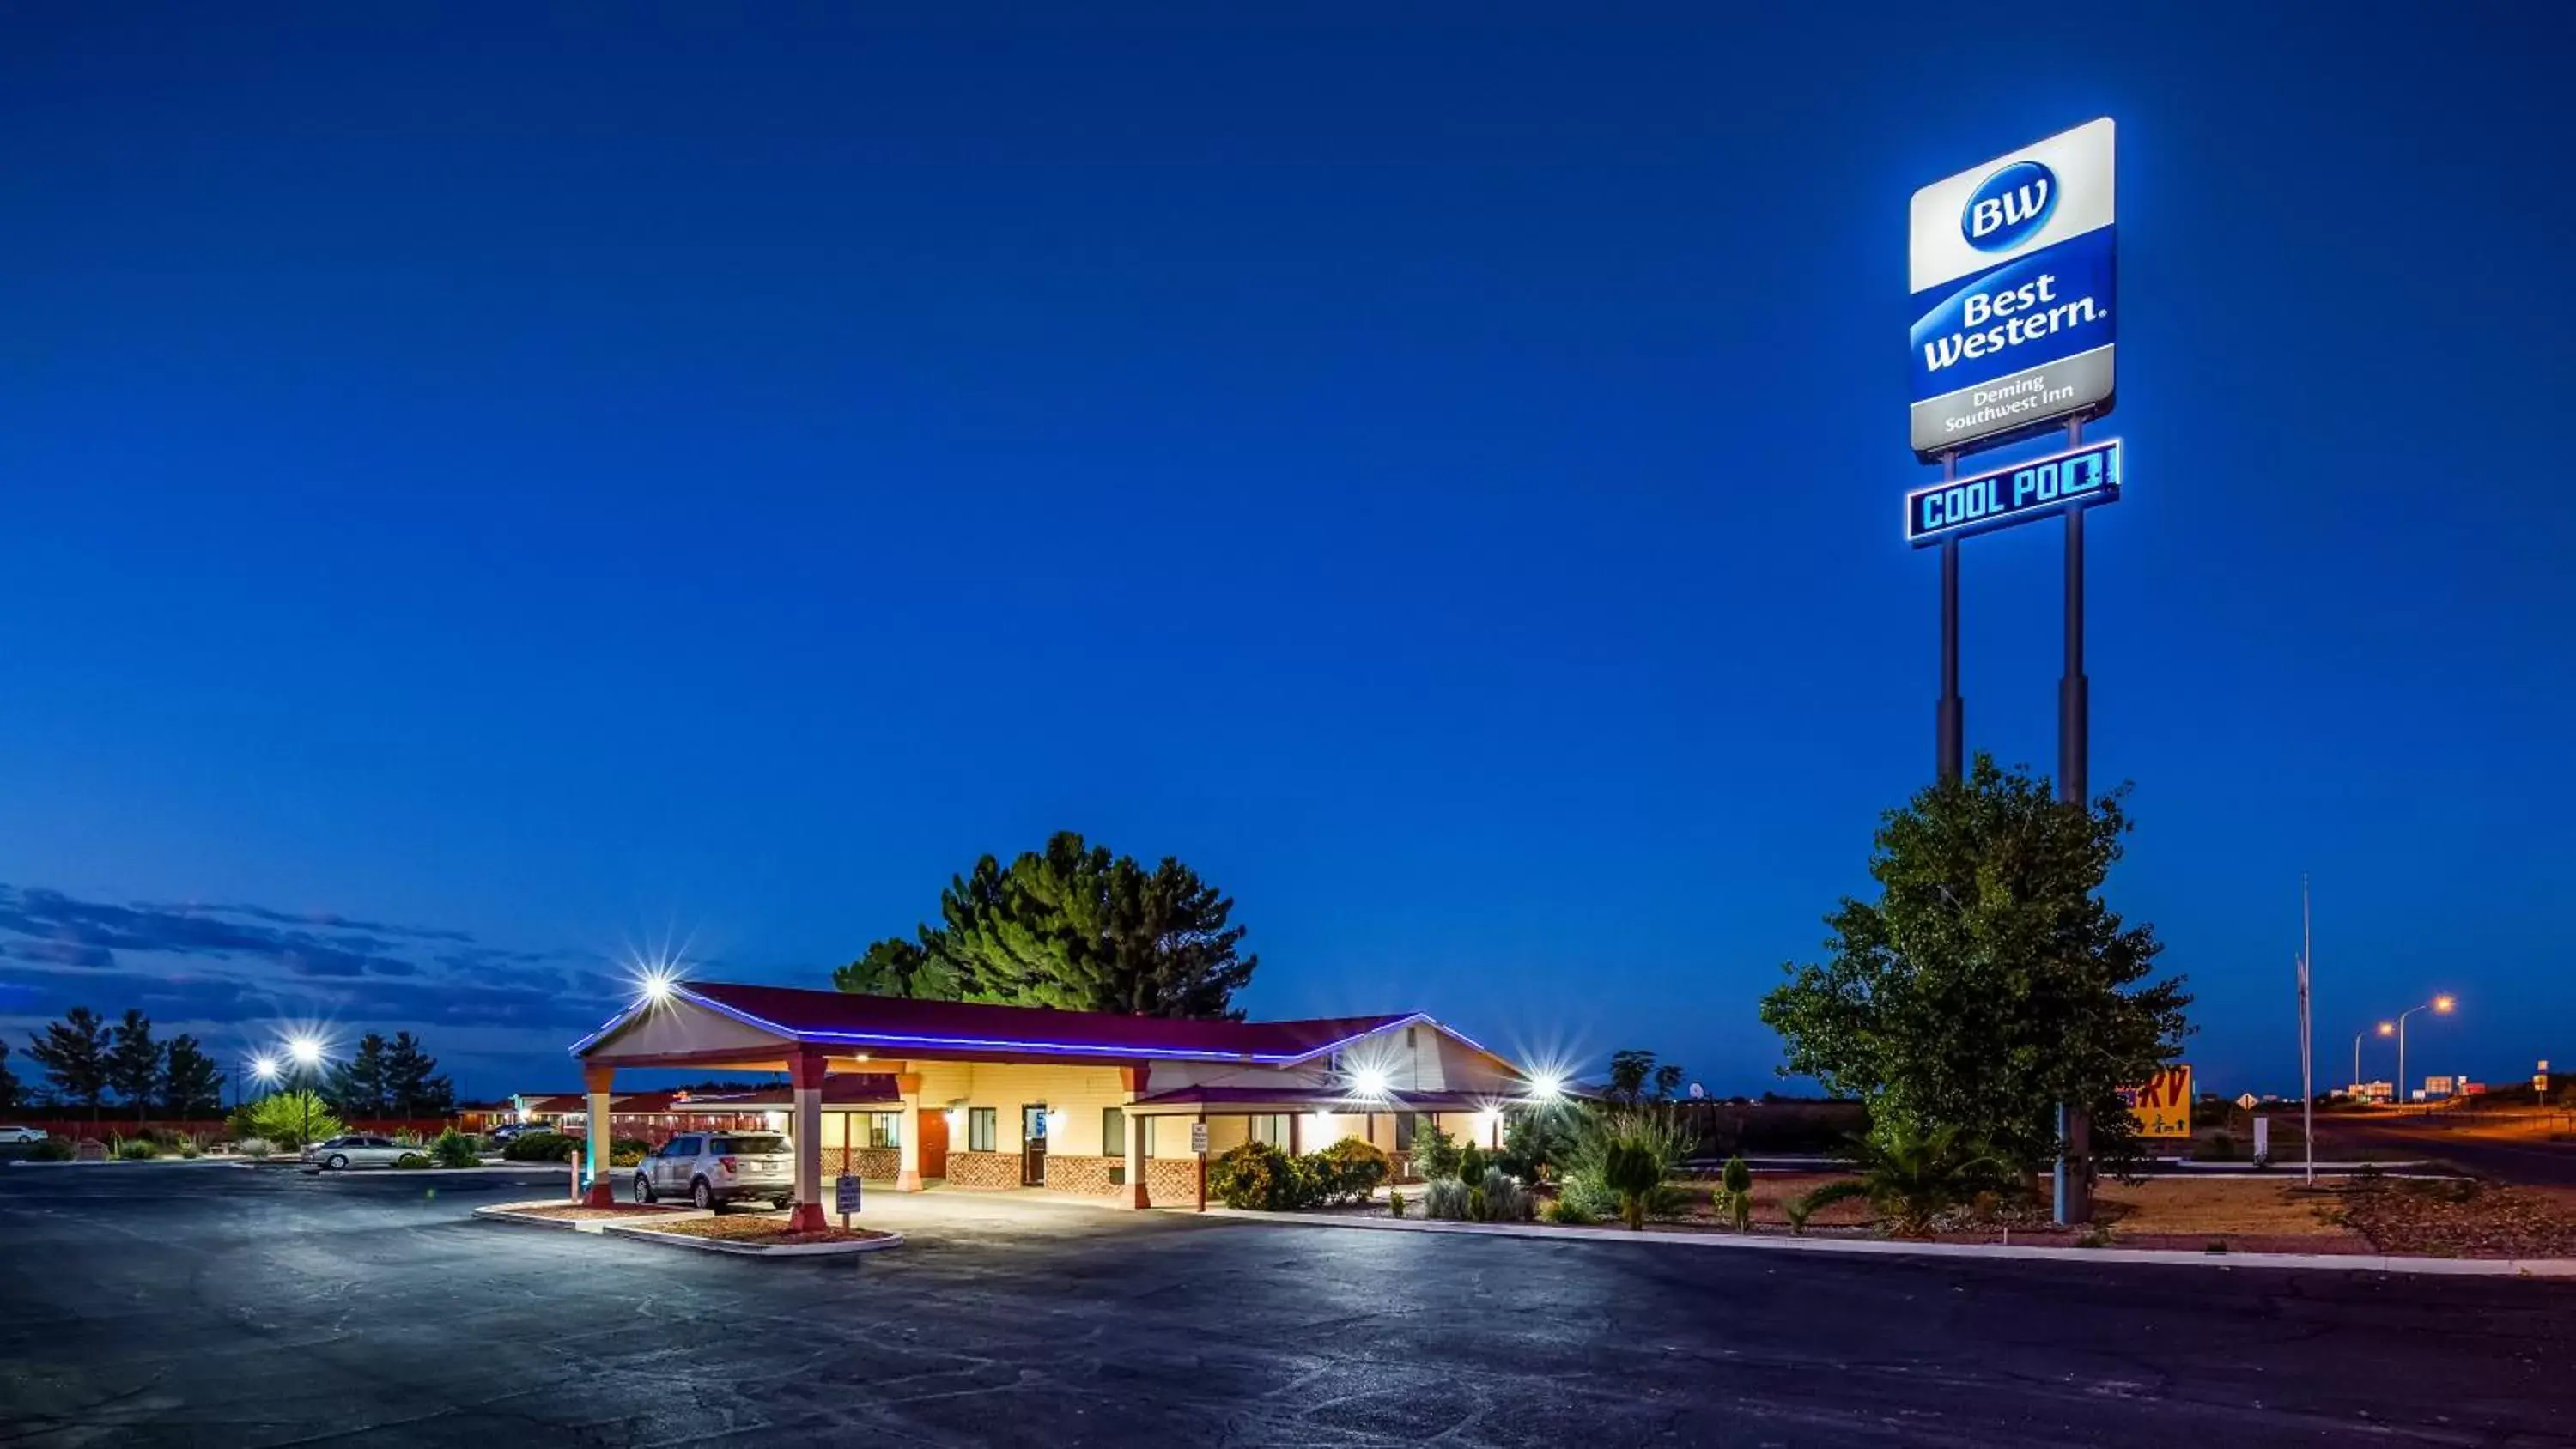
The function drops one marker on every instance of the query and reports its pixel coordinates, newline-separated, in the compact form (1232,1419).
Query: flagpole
(2307,1057)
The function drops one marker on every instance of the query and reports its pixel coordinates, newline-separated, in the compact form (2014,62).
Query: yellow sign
(2163,1106)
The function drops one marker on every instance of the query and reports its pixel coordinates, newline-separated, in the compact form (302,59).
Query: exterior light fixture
(1546,1087)
(306,1051)
(2443,1003)
(654,984)
(1370,1082)
(264,1068)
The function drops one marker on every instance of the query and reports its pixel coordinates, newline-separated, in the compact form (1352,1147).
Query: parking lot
(223,1306)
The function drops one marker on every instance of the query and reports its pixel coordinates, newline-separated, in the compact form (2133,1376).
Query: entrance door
(1033,1145)
(934,1143)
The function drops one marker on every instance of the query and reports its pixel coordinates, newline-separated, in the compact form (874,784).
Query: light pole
(2385,1029)
(307,1053)
(2439,1006)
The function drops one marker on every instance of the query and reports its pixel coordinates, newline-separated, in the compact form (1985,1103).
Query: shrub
(254,1148)
(1568,1212)
(1797,1210)
(137,1149)
(412,1161)
(1587,1183)
(1256,1175)
(541,1147)
(1632,1169)
(1445,1198)
(627,1152)
(1395,1202)
(1537,1140)
(1735,1192)
(1350,1170)
(1912,1177)
(1476,1209)
(52,1149)
(1435,1153)
(1472,1162)
(454,1149)
(406,1137)
(1506,1201)
(187,1149)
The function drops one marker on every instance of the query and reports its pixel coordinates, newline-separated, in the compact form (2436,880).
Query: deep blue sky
(569,481)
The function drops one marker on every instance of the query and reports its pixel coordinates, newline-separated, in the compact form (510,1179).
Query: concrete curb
(430,1174)
(518,1212)
(1880,1247)
(146,1162)
(756,1250)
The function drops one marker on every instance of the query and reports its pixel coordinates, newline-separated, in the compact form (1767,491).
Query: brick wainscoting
(1172,1181)
(983,1169)
(1087,1176)
(873,1164)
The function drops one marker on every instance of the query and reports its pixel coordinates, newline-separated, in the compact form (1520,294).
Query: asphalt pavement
(2536,1162)
(229,1307)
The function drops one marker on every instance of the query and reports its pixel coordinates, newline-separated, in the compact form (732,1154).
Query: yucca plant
(1735,1192)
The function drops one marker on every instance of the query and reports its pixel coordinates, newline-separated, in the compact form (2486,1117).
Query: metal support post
(2074,1184)
(1950,722)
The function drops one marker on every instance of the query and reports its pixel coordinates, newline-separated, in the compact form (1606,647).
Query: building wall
(1080,1091)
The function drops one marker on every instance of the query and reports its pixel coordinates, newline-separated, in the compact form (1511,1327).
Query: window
(883,1130)
(1404,1129)
(1113,1132)
(979,1129)
(1272,1129)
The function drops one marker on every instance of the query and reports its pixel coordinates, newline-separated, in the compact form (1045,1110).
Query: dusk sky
(487,493)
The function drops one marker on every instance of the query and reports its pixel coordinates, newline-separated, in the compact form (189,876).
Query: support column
(595,1137)
(907,1133)
(805,1074)
(1139,1192)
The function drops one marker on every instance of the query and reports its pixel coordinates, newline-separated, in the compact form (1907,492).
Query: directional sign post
(845,1197)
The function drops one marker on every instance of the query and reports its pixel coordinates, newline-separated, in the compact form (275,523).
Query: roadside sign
(2162,1107)
(2012,265)
(2262,1139)
(1198,1138)
(2037,489)
(845,1194)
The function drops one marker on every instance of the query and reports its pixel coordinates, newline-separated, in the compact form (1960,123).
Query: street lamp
(307,1053)
(2385,1029)
(2439,1006)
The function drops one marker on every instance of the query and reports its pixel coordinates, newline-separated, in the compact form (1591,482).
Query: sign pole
(2074,1170)
(2307,1054)
(1949,727)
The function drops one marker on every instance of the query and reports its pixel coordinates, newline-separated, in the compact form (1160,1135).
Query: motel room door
(1033,1145)
(934,1144)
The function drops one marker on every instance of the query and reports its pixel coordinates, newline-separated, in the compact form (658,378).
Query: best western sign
(2013,274)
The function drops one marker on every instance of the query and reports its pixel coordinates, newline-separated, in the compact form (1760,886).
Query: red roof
(900,1024)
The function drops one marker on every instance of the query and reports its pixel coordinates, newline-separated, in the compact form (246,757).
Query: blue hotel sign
(2079,477)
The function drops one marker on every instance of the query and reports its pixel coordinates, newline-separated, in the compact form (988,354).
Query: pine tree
(412,1084)
(191,1085)
(73,1052)
(357,1086)
(134,1063)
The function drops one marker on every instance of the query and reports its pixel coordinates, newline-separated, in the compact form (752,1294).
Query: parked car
(508,1130)
(713,1168)
(19,1136)
(342,1153)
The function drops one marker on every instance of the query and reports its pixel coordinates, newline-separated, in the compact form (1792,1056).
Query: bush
(1256,1175)
(412,1161)
(627,1152)
(137,1149)
(254,1148)
(1351,1170)
(1568,1212)
(1434,1152)
(1445,1198)
(541,1147)
(1631,1169)
(293,1119)
(187,1149)
(52,1149)
(1536,1142)
(1912,1177)
(1735,1192)
(1505,1201)
(454,1149)
(1395,1202)
(1472,1162)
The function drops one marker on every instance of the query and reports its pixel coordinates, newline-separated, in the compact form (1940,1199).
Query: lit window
(1113,1132)
(882,1129)
(980,1129)
(1271,1128)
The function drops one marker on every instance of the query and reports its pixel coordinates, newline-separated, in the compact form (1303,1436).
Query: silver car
(713,1168)
(358,1150)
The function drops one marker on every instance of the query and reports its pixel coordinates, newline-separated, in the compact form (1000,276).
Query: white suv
(711,1168)
(358,1150)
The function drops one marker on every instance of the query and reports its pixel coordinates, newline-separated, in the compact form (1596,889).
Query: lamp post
(2439,1006)
(307,1053)
(2385,1029)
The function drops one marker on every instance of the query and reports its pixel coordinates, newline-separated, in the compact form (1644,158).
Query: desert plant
(1735,1192)
(136,1149)
(454,1149)
(1632,1170)
(1471,1164)
(254,1148)
(1445,1198)
(1395,1203)
(1478,1210)
(1912,1177)
(1506,1201)
(187,1148)
(52,1149)
(1568,1212)
(1797,1210)
(412,1161)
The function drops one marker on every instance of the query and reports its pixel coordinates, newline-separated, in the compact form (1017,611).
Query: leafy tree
(74,1054)
(291,1119)
(1073,927)
(1629,1070)
(9,1089)
(1988,982)
(357,1086)
(134,1063)
(413,1086)
(191,1086)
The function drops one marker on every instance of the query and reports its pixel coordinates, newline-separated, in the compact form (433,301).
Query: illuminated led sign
(1985,501)
(2012,267)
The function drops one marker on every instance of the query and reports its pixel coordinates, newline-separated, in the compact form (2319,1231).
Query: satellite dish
(1698,1092)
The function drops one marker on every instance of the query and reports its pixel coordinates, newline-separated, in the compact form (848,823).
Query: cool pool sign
(1962,506)
(2012,267)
